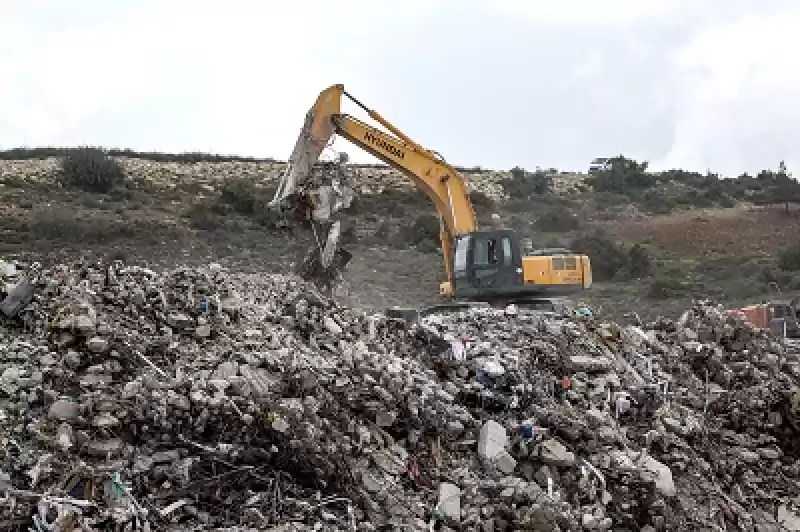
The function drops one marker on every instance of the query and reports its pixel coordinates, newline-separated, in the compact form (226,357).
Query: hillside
(655,239)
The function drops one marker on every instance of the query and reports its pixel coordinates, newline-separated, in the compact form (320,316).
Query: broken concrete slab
(491,440)
(450,502)
(553,452)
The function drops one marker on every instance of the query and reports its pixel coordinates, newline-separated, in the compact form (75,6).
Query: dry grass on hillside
(739,231)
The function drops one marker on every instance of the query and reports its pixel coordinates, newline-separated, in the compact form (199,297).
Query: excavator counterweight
(480,265)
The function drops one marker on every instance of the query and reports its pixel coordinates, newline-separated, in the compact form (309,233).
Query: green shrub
(525,185)
(384,231)
(640,263)
(241,195)
(666,288)
(427,246)
(607,257)
(91,170)
(789,258)
(656,202)
(701,200)
(610,260)
(66,226)
(559,221)
(204,216)
(423,233)
(622,177)
(482,203)
(395,202)
(604,200)
(183,158)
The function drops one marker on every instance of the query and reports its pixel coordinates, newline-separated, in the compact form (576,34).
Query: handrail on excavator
(382,121)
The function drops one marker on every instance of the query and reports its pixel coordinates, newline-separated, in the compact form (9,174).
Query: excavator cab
(486,265)
(490,266)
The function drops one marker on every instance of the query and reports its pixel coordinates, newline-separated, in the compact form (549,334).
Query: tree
(622,177)
(786,189)
(780,186)
(91,169)
(525,185)
(518,173)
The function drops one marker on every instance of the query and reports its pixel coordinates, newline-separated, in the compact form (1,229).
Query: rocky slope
(209,175)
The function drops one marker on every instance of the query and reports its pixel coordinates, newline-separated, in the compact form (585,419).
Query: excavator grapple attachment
(318,191)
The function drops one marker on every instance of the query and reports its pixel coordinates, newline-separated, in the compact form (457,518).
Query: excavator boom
(441,182)
(315,135)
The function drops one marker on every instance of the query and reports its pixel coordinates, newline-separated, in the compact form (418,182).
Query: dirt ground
(738,231)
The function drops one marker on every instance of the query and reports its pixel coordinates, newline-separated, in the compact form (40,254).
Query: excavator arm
(440,181)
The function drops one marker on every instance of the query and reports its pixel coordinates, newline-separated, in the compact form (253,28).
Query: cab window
(508,257)
(485,252)
(460,260)
(480,254)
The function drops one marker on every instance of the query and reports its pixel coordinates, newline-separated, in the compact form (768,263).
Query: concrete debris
(450,501)
(493,440)
(290,412)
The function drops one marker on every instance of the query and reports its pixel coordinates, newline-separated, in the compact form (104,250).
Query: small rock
(450,501)
(385,418)
(203,331)
(332,327)
(504,462)
(553,452)
(64,410)
(280,425)
(179,320)
(97,344)
(371,482)
(590,364)
(770,453)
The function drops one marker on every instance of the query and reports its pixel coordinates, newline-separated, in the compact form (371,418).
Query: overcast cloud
(709,84)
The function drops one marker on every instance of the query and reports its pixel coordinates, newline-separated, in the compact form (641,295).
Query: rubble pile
(199,399)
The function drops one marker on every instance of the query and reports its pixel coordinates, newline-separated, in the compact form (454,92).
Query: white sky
(497,83)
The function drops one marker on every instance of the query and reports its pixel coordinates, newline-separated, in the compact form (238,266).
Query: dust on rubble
(203,399)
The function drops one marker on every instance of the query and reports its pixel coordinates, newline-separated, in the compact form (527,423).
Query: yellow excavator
(480,265)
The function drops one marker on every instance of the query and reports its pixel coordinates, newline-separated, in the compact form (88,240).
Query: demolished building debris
(201,399)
